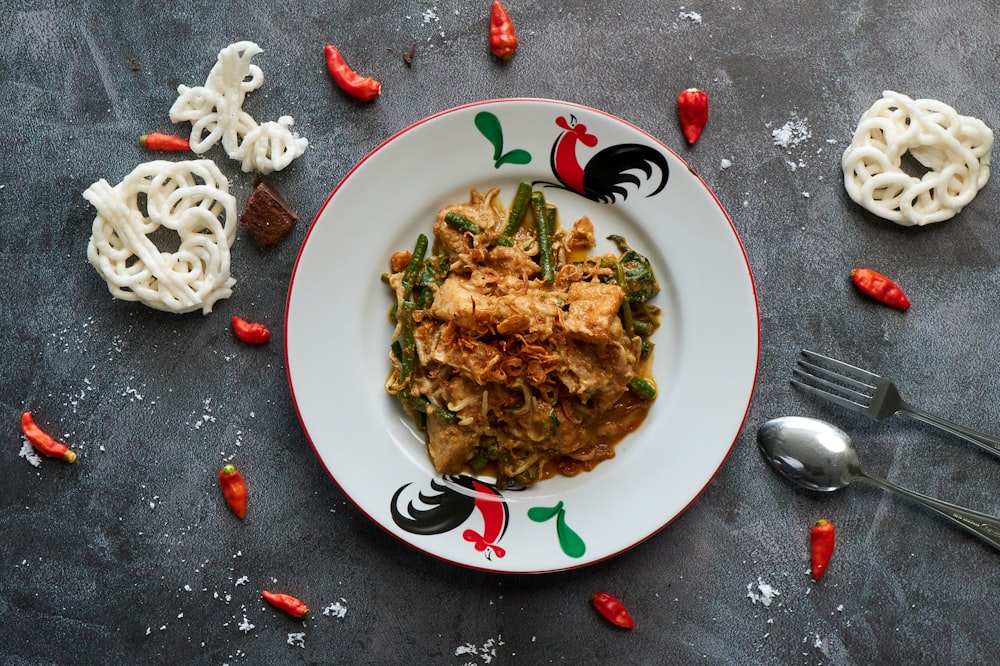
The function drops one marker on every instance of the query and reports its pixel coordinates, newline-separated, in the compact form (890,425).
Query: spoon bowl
(819,456)
(809,453)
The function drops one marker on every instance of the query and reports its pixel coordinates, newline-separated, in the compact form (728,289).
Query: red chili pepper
(234,489)
(821,546)
(692,109)
(287,603)
(613,610)
(250,332)
(44,442)
(364,88)
(503,40)
(880,288)
(165,142)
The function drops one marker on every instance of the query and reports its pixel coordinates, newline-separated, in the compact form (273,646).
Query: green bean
(416,260)
(423,404)
(642,388)
(460,222)
(642,327)
(544,227)
(407,341)
(516,216)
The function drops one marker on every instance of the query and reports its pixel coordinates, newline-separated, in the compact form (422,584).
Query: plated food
(587,164)
(515,349)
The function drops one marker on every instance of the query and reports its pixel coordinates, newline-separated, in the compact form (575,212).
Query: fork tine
(832,397)
(838,380)
(860,397)
(850,370)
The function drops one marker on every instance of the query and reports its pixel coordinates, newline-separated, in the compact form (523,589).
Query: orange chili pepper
(503,39)
(880,288)
(234,489)
(360,87)
(165,142)
(44,442)
(252,333)
(613,610)
(287,603)
(821,539)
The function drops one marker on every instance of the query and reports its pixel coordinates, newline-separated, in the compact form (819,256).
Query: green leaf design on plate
(516,156)
(569,540)
(489,126)
(540,514)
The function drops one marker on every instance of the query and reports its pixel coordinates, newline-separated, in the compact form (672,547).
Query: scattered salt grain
(242,580)
(762,592)
(246,625)
(298,639)
(336,609)
(28,453)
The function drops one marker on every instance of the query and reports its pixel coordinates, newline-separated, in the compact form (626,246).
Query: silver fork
(872,395)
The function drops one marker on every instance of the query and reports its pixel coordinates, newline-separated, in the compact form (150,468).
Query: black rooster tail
(449,508)
(606,174)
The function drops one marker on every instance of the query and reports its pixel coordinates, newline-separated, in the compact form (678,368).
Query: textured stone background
(129,557)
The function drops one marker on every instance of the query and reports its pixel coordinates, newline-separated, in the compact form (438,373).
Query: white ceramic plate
(337,335)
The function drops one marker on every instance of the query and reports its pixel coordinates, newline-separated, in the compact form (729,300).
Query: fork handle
(983,526)
(980,439)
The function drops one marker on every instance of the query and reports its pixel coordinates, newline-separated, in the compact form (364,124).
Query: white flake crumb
(792,133)
(242,580)
(28,453)
(487,652)
(336,609)
(806,195)
(246,625)
(298,639)
(132,394)
(762,592)
(725,164)
(694,17)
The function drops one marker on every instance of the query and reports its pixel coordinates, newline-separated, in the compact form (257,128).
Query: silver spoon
(819,456)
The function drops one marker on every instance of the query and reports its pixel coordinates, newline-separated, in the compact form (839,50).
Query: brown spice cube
(267,216)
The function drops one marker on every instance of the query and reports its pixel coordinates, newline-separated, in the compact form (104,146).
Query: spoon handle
(983,526)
